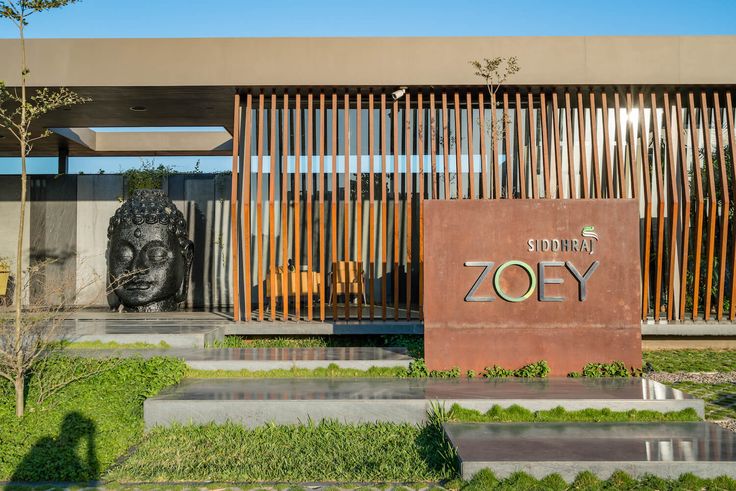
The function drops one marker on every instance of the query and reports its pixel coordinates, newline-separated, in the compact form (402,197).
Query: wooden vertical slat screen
(298,151)
(235,191)
(310,206)
(297,201)
(359,203)
(384,211)
(246,194)
(371,208)
(346,189)
(285,210)
(686,207)
(408,141)
(395,185)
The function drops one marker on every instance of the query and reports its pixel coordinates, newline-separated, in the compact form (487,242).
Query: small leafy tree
(495,72)
(18,111)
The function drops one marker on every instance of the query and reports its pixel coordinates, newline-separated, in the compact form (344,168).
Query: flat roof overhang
(191,82)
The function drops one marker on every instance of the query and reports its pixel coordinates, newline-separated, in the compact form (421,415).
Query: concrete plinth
(667,450)
(254,402)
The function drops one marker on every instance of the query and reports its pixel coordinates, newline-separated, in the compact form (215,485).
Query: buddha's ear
(188,253)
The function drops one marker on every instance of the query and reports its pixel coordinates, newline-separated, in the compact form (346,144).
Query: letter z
(486,265)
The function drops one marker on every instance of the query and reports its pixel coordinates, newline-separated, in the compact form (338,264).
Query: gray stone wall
(67,223)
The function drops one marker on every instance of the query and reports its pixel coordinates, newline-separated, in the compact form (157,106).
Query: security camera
(399,93)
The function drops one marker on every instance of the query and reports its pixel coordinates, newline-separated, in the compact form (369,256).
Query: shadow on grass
(59,458)
(437,451)
(727,401)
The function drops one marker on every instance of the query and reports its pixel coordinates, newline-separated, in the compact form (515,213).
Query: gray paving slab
(254,402)
(663,449)
(360,358)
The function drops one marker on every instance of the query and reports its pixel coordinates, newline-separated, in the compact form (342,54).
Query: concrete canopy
(191,82)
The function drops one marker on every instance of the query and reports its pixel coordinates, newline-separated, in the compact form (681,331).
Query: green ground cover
(78,431)
(83,429)
(111,345)
(586,481)
(413,343)
(691,360)
(329,451)
(322,452)
(498,414)
(331,371)
(720,399)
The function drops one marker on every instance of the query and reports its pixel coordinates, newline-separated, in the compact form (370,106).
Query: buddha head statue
(149,256)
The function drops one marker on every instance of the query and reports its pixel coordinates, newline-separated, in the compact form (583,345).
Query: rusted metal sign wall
(329,184)
(559,282)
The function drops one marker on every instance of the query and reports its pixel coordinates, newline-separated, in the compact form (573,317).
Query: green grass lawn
(84,427)
(331,371)
(413,343)
(720,399)
(691,360)
(586,481)
(79,433)
(321,452)
(497,414)
(329,451)
(112,345)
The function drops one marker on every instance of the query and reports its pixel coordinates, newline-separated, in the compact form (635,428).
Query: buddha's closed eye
(123,253)
(157,254)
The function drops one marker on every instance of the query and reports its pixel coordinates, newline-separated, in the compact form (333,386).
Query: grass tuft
(516,413)
(691,360)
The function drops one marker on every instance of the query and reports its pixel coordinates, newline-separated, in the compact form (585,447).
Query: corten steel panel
(569,333)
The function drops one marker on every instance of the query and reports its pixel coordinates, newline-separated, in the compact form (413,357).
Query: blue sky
(189,18)
(290,18)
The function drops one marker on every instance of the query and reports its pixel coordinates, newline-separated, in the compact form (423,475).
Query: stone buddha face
(149,256)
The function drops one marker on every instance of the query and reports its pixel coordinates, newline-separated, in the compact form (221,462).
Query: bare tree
(18,112)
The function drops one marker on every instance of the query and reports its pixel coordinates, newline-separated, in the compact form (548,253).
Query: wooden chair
(347,279)
(290,276)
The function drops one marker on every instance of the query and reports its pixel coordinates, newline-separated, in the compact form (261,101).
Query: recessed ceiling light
(138,108)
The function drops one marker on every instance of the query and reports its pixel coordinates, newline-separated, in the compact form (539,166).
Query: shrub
(598,370)
(539,369)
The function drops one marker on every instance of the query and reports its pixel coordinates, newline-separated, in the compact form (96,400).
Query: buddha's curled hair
(151,206)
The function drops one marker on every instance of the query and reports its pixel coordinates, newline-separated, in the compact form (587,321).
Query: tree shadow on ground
(727,401)
(437,451)
(59,458)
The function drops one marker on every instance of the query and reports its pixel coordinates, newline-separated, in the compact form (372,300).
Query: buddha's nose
(140,263)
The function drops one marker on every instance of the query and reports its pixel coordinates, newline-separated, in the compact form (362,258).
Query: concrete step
(254,402)
(177,334)
(265,358)
(663,449)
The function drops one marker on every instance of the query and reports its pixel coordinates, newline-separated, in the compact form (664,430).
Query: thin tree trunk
(20,383)
(20,362)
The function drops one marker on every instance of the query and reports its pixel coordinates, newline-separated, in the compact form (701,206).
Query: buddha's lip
(138,285)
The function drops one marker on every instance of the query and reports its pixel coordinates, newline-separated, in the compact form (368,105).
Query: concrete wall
(370,61)
(67,222)
(9,213)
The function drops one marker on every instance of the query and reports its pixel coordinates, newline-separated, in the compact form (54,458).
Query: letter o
(525,267)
